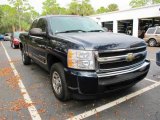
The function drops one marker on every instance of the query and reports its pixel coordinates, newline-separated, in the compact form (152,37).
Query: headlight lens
(80,59)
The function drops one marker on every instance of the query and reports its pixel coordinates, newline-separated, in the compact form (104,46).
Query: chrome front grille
(119,52)
(114,60)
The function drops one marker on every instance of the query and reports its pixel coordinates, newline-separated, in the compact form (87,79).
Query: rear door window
(151,31)
(158,31)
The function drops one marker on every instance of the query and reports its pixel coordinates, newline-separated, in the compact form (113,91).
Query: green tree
(1,15)
(155,1)
(101,10)
(8,18)
(140,3)
(74,7)
(112,7)
(28,18)
(86,8)
(18,17)
(21,6)
(50,7)
(63,11)
(83,8)
(23,10)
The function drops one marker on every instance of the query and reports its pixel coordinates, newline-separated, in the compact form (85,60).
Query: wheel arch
(51,59)
(155,42)
(21,46)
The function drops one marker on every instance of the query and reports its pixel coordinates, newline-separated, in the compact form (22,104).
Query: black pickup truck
(83,60)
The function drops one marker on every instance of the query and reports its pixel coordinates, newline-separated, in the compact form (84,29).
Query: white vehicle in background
(7,37)
(152,36)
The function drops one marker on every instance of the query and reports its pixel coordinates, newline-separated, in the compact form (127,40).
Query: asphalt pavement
(26,94)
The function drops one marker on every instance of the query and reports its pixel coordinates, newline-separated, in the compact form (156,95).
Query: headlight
(81,59)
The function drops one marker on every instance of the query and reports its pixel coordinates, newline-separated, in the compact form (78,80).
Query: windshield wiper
(96,31)
(69,31)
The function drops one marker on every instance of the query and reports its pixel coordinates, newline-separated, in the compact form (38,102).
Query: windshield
(74,24)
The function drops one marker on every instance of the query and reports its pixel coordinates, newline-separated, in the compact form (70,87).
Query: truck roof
(48,16)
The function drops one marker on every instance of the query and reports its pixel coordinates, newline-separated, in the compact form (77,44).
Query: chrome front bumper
(139,68)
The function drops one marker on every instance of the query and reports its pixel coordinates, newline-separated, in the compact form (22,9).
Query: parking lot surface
(26,94)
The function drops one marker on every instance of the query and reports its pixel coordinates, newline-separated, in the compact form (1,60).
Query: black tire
(25,59)
(63,94)
(152,42)
(16,46)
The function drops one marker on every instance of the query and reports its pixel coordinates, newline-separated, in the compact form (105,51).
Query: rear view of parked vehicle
(1,37)
(152,36)
(7,37)
(15,40)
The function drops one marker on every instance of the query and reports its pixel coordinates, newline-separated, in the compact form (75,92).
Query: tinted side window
(42,24)
(151,31)
(158,31)
(34,24)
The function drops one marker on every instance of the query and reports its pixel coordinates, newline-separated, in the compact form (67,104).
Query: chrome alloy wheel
(56,82)
(152,43)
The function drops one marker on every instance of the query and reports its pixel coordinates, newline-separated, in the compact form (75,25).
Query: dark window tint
(158,31)
(42,24)
(62,24)
(151,31)
(34,24)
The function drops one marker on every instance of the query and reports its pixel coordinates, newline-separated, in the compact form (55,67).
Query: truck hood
(103,40)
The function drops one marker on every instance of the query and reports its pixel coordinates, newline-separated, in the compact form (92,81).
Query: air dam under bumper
(92,83)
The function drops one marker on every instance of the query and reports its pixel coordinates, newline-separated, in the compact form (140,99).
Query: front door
(41,42)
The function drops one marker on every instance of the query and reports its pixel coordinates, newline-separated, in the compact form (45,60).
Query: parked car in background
(7,37)
(152,36)
(15,40)
(1,37)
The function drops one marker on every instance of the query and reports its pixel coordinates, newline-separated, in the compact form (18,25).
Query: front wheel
(152,42)
(25,59)
(58,81)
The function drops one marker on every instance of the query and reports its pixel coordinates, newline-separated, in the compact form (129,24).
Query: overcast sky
(37,4)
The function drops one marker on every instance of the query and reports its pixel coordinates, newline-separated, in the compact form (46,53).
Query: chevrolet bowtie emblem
(130,57)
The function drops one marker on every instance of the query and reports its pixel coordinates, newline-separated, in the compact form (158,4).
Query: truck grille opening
(117,59)
(121,52)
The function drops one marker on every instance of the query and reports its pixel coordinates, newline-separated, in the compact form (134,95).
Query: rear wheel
(152,42)
(25,59)
(59,84)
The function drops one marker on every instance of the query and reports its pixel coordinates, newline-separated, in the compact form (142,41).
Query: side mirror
(37,32)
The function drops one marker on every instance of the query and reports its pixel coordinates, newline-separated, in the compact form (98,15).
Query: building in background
(134,22)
